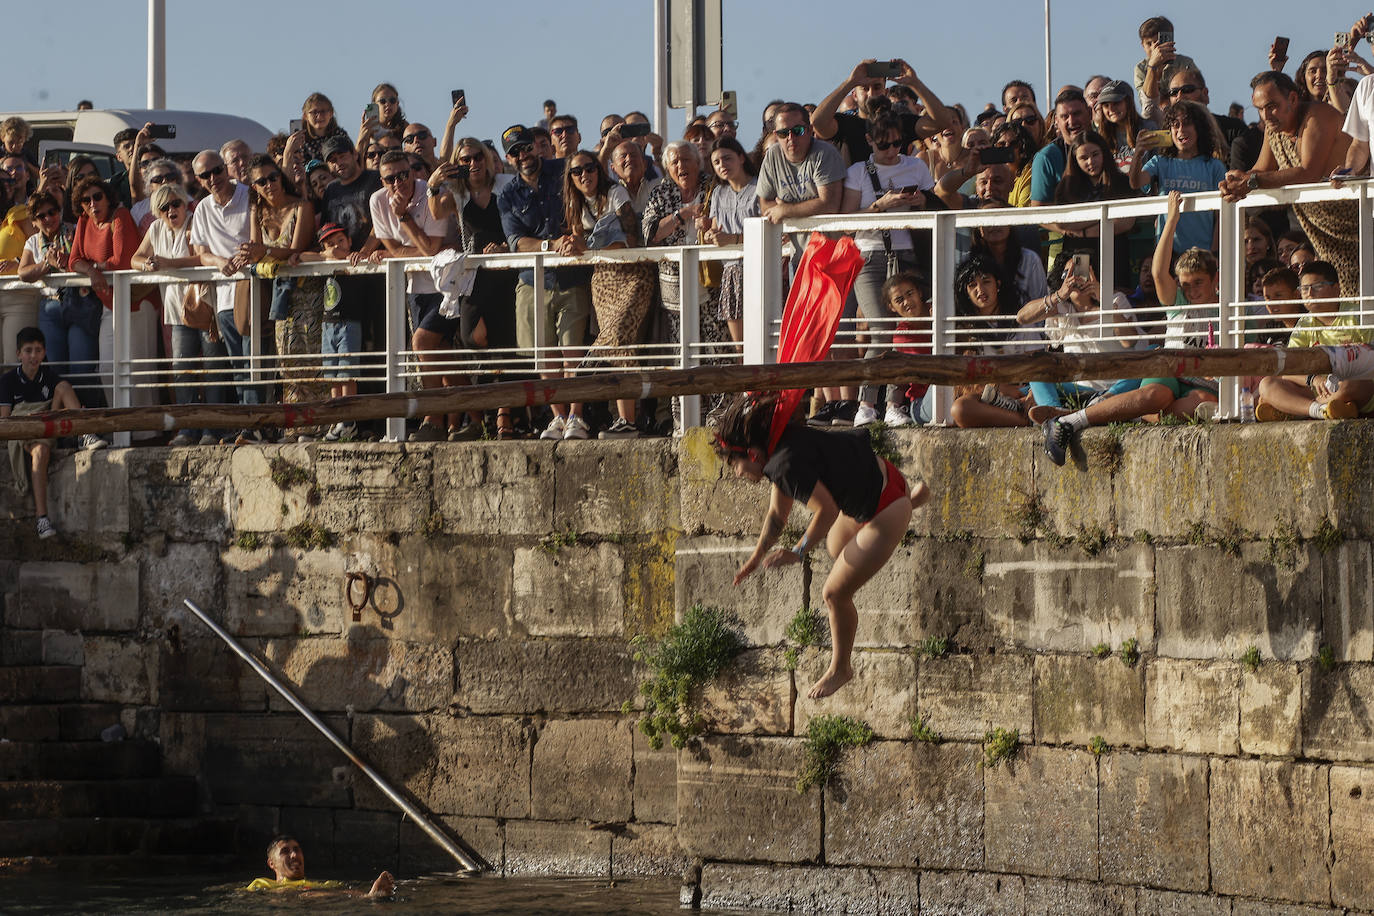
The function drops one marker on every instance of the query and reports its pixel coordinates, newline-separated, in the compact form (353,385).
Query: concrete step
(54,722)
(40,684)
(104,836)
(168,796)
(24,760)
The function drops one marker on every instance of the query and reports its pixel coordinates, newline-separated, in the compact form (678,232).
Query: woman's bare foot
(830,682)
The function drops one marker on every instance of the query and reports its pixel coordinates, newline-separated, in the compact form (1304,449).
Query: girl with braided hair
(860,505)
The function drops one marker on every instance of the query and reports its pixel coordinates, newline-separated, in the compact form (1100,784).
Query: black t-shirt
(843,461)
(851,134)
(17,388)
(350,205)
(482,225)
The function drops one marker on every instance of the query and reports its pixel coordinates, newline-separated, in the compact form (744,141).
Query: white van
(63,134)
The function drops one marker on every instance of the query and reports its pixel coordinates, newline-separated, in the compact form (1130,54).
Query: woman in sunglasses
(282,225)
(70,322)
(167,247)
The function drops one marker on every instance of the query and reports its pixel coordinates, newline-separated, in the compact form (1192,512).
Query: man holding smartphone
(1153,74)
(849,132)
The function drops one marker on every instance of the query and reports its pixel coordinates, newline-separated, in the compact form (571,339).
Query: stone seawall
(1220,767)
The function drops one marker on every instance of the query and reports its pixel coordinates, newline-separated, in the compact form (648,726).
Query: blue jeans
(188,343)
(1052,394)
(868,290)
(70,348)
(236,347)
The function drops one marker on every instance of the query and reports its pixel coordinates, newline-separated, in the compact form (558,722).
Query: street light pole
(157,53)
(1049,86)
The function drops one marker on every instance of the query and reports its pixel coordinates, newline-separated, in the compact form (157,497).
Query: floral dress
(299,333)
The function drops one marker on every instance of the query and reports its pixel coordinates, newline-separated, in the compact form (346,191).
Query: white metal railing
(397,365)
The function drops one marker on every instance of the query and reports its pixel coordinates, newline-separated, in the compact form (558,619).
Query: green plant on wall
(827,738)
(806,629)
(690,655)
(921,731)
(999,746)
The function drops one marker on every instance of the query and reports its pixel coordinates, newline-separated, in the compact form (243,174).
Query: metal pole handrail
(468,862)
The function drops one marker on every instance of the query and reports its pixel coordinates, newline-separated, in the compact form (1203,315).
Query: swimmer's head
(742,436)
(285,858)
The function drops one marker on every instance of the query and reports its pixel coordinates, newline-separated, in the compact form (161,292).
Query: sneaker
(993,396)
(428,432)
(300,437)
(557,426)
(466,433)
(1268,413)
(844,413)
(1339,410)
(1206,411)
(1058,438)
(250,437)
(45,528)
(620,430)
(209,439)
(865,415)
(576,428)
(824,415)
(91,442)
(341,432)
(181,440)
(896,416)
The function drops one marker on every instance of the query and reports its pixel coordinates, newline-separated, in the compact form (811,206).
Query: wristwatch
(544,245)
(1253,181)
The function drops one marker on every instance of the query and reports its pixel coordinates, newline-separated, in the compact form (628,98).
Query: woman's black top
(844,461)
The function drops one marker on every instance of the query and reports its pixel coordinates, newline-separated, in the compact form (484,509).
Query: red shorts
(895,489)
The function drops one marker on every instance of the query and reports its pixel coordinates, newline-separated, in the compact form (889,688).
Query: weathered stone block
(904,804)
(75,596)
(539,847)
(737,799)
(647,849)
(957,893)
(269,760)
(364,671)
(89,492)
(1352,836)
(61,647)
(1192,706)
(1077,698)
(1348,601)
(1271,710)
(1211,605)
(544,675)
(973,474)
(119,670)
(630,488)
(283,591)
(476,766)
(1040,813)
(368,841)
(764,603)
(962,696)
(1153,820)
(570,591)
(480,835)
(495,491)
(655,792)
(753,696)
(1269,830)
(1241,907)
(385,488)
(935,589)
(582,769)
(182,493)
(716,503)
(1150,902)
(1349,452)
(1336,720)
(1081,490)
(178,572)
(882,694)
(1045,598)
(202,673)
(809,890)
(1047,897)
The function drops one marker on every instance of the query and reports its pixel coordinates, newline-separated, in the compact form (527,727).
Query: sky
(596,56)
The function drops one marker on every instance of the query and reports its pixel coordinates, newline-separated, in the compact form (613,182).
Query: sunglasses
(520,150)
(415,137)
(579,170)
(881,145)
(265,180)
(93,198)
(1182,90)
(468,160)
(374,154)
(388,100)
(565,129)
(47,213)
(1028,119)
(163,179)
(721,125)
(396,177)
(170,206)
(210,173)
(796,130)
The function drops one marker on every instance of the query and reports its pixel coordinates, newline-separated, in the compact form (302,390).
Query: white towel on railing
(453,278)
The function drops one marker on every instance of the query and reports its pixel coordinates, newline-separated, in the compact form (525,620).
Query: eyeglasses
(722,125)
(319,112)
(170,206)
(881,145)
(796,130)
(47,213)
(396,177)
(210,173)
(469,160)
(388,100)
(265,180)
(93,197)
(163,178)
(579,170)
(415,137)
(1183,90)
(1312,287)
(520,150)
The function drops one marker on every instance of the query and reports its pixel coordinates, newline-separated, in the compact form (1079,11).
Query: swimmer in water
(860,505)
(287,861)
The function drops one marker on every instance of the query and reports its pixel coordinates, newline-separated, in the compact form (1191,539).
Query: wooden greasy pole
(894,368)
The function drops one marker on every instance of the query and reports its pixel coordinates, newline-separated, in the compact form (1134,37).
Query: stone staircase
(71,799)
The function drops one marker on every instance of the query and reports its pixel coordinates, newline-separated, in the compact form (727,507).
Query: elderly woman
(167,247)
(670,218)
(281,226)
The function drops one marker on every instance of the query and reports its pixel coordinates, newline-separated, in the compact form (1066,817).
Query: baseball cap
(335,145)
(327,230)
(516,135)
(1115,91)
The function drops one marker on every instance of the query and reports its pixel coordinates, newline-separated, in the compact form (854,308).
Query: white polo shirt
(385,225)
(222,230)
(1361,115)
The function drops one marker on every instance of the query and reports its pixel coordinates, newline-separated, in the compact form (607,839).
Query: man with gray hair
(236,154)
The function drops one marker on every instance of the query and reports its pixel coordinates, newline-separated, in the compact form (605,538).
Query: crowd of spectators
(881,141)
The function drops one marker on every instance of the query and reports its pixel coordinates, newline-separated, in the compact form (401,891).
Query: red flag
(825,275)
